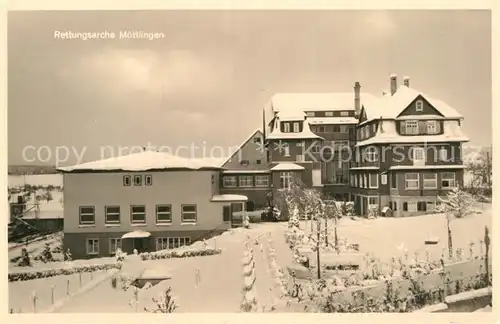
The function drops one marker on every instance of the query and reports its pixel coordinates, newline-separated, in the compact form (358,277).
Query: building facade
(146,201)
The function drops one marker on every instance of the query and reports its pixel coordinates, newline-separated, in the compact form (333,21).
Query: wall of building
(170,187)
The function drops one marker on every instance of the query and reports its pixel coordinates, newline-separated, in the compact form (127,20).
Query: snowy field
(35,180)
(21,292)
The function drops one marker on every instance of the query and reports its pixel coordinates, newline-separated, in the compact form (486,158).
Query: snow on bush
(181,253)
(45,273)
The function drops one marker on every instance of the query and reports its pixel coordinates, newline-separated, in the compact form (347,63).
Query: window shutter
(402,127)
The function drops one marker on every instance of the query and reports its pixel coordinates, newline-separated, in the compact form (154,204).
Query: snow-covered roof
(331,120)
(244,171)
(229,198)
(387,133)
(287,166)
(147,160)
(306,133)
(365,168)
(298,103)
(389,107)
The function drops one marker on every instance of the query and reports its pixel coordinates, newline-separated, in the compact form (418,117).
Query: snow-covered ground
(21,292)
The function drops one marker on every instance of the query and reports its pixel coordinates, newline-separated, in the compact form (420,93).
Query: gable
(427,108)
(250,151)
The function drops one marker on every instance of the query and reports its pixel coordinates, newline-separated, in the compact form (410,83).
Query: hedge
(169,254)
(31,274)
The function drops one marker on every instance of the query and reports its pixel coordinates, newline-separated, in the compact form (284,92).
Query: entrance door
(139,244)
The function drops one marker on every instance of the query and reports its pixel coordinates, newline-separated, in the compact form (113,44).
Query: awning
(229,198)
(136,234)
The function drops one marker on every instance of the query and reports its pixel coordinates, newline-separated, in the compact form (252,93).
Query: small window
(229,181)
(138,214)
(296,127)
(286,127)
(422,206)
(87,215)
(245,162)
(418,156)
(405,206)
(411,127)
(148,180)
(257,140)
(431,127)
(394,205)
(373,180)
(163,214)
(419,106)
(112,214)
(188,214)
(329,113)
(310,114)
(374,128)
(373,200)
(246,181)
(92,246)
(383,179)
(258,161)
(114,244)
(321,129)
(137,180)
(126,180)
(336,129)
(344,113)
(448,180)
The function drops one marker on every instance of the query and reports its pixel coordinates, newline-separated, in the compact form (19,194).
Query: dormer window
(411,127)
(286,128)
(419,105)
(329,114)
(296,128)
(344,113)
(310,114)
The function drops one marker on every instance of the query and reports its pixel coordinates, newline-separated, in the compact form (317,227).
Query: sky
(205,82)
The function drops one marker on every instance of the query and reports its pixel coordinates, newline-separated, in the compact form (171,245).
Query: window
(394,206)
(329,113)
(316,148)
(443,154)
(412,181)
(286,127)
(418,156)
(430,180)
(87,215)
(299,144)
(214,178)
(126,180)
(340,145)
(448,180)
(344,129)
(296,128)
(112,214)
(336,129)
(285,179)
(344,113)
(340,177)
(383,179)
(411,127)
(412,206)
(148,180)
(163,214)
(421,206)
(310,114)
(226,213)
(246,181)
(245,162)
(405,206)
(137,180)
(257,140)
(262,181)
(371,154)
(373,201)
(161,243)
(138,214)
(431,206)
(92,246)
(394,181)
(373,180)
(374,128)
(419,105)
(188,214)
(114,244)
(229,182)
(300,158)
(431,127)
(258,161)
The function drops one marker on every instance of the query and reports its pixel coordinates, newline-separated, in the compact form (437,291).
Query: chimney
(394,84)
(357,99)
(406,81)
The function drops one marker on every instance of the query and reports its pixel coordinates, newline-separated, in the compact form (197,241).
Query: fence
(35,296)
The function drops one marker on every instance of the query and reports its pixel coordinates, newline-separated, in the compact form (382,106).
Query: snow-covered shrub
(165,303)
(186,253)
(372,211)
(347,209)
(120,255)
(67,255)
(45,273)
(25,260)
